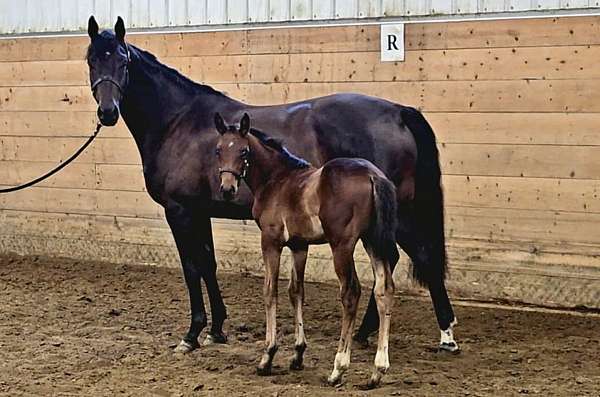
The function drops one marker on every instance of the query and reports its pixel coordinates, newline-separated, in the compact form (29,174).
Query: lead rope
(58,168)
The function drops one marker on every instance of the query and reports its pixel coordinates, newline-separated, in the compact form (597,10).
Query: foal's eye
(218,151)
(244,152)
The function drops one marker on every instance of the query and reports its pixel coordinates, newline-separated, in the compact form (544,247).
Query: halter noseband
(237,175)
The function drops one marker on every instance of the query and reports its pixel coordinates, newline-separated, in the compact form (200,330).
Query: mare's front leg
(271,256)
(296,293)
(195,256)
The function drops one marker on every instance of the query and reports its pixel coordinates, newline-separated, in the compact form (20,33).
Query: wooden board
(533,128)
(551,62)
(576,195)
(507,128)
(446,35)
(76,175)
(54,149)
(57,124)
(82,201)
(448,96)
(546,161)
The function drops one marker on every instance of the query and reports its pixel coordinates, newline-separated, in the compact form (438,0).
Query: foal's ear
(245,125)
(220,124)
(120,29)
(92,27)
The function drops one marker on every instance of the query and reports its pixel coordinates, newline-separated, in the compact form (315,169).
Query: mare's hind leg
(384,297)
(421,256)
(271,257)
(349,294)
(296,292)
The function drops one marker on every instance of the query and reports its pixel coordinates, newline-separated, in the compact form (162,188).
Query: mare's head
(232,154)
(108,59)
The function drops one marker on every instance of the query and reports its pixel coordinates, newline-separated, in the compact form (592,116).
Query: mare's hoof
(361,341)
(296,365)
(185,347)
(449,347)
(263,371)
(215,339)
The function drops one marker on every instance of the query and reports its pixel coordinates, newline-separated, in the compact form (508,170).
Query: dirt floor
(84,328)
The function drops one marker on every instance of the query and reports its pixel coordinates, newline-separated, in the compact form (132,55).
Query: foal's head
(232,154)
(108,59)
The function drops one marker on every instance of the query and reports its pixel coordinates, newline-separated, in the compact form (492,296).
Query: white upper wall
(38,16)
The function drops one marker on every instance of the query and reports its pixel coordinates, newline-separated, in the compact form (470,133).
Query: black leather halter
(110,79)
(238,175)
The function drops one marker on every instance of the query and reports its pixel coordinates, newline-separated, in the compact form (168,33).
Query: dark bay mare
(297,205)
(171,120)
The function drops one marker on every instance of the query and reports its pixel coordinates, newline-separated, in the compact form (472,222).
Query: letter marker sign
(392,42)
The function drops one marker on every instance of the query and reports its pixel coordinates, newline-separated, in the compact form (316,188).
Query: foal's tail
(382,232)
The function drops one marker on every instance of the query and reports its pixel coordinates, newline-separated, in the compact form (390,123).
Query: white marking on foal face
(230,144)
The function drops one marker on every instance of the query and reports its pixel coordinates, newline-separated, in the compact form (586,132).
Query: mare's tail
(429,201)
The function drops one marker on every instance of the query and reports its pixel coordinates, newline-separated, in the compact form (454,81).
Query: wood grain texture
(515,106)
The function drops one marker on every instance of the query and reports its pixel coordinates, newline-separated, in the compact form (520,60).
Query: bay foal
(296,205)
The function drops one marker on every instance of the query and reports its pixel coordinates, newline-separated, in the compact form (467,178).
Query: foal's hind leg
(271,257)
(296,292)
(350,294)
(384,297)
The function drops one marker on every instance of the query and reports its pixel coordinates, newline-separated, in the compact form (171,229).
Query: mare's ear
(92,27)
(120,29)
(220,124)
(245,125)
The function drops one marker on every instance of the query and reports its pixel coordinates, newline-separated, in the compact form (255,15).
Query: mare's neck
(156,96)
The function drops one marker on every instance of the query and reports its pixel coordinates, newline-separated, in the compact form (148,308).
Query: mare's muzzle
(109,116)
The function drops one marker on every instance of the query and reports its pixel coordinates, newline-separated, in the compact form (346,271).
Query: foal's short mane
(275,144)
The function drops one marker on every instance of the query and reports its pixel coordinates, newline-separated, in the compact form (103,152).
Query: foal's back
(316,205)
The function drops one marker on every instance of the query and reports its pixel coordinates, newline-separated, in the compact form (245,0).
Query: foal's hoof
(335,380)
(215,339)
(376,378)
(185,347)
(263,371)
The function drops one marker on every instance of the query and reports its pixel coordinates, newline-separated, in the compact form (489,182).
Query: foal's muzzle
(228,192)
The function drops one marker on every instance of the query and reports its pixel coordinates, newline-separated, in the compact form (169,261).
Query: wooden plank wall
(515,105)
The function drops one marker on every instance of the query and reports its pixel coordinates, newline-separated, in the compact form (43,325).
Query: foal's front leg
(271,256)
(296,292)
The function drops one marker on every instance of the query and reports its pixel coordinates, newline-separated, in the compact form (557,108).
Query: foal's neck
(266,165)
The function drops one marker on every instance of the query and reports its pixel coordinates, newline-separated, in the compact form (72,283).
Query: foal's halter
(238,175)
(110,79)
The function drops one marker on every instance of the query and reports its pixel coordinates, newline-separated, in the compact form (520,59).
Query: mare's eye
(244,152)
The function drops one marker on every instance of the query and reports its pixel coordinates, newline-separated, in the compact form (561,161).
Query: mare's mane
(149,62)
